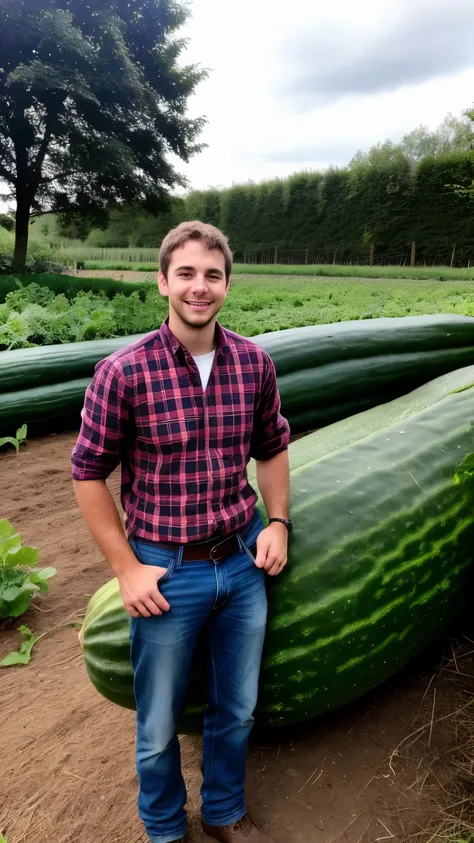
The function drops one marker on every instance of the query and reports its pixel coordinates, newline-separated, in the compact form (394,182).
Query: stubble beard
(196,326)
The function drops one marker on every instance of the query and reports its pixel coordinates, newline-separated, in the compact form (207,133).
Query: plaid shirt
(183,451)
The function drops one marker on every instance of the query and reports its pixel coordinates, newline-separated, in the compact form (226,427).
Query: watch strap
(288,524)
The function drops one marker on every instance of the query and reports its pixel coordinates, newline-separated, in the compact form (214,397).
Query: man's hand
(139,591)
(272,549)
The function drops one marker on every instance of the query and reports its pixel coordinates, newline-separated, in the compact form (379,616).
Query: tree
(452,134)
(6,221)
(92,99)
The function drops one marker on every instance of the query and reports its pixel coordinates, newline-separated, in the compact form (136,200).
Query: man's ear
(162,284)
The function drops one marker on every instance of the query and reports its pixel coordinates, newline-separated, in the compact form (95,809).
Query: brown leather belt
(211,549)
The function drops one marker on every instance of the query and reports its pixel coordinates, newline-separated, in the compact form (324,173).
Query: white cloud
(258,50)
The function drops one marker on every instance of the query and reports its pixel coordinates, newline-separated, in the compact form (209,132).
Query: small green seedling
(21,656)
(15,441)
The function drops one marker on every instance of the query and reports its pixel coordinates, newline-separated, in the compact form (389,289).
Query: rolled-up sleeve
(105,415)
(271,431)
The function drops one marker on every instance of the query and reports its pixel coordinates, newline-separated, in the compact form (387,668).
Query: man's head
(195,267)
(208,234)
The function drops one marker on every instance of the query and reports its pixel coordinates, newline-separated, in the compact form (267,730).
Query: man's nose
(200,284)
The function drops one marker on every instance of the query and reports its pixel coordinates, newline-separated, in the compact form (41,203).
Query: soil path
(67,755)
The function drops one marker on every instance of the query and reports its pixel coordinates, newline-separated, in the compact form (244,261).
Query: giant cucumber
(379,561)
(325,372)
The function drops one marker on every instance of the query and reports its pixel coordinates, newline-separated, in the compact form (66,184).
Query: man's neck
(196,340)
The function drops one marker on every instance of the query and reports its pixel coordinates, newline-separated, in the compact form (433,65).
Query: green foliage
(384,198)
(23,655)
(93,97)
(20,580)
(69,286)
(389,196)
(7,222)
(256,304)
(129,225)
(33,315)
(15,440)
(39,257)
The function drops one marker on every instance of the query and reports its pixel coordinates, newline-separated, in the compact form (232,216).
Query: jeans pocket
(169,571)
(247,549)
(147,554)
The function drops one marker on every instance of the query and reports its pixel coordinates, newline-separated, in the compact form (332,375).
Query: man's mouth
(198,305)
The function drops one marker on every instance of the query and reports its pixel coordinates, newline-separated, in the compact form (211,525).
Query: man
(183,410)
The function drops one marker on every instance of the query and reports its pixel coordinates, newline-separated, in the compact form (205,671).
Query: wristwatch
(288,524)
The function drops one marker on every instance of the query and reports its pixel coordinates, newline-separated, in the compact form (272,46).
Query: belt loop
(179,556)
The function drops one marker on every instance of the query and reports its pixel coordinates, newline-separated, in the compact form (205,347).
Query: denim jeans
(230,598)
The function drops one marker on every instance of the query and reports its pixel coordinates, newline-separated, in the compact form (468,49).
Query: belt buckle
(213,548)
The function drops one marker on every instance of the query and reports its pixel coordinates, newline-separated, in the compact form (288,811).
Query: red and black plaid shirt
(183,451)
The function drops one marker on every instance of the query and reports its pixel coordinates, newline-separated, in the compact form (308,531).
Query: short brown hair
(195,230)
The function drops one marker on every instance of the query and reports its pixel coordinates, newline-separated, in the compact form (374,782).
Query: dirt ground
(365,774)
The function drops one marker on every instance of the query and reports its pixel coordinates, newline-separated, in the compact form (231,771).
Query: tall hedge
(341,212)
(385,199)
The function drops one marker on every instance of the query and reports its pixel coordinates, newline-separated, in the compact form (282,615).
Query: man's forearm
(103,520)
(273,481)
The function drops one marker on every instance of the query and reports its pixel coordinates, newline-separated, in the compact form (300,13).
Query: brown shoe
(243,830)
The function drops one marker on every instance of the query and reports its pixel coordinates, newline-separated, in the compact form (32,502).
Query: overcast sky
(303,85)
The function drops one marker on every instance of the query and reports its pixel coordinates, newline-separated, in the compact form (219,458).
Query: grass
(440,273)
(146,260)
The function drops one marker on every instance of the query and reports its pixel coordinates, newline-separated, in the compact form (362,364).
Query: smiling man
(182,411)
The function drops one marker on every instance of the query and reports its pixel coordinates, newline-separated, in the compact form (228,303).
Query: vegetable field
(255,305)
(398,511)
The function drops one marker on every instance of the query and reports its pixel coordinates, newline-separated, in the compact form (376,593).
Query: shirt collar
(168,338)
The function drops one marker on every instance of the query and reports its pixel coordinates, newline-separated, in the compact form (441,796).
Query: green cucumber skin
(291,350)
(311,397)
(380,561)
(318,345)
(42,403)
(28,368)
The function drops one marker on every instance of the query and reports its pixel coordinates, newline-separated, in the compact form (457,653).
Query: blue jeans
(230,599)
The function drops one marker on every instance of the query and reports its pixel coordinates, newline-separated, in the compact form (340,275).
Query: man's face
(196,285)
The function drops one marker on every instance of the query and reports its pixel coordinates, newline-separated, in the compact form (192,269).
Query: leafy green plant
(20,579)
(23,655)
(15,441)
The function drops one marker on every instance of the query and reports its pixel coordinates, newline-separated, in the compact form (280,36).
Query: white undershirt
(204,363)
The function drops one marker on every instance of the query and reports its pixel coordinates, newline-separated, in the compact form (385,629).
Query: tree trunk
(21,233)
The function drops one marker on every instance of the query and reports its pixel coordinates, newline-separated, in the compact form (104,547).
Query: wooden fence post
(372,250)
(413,254)
(452,256)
